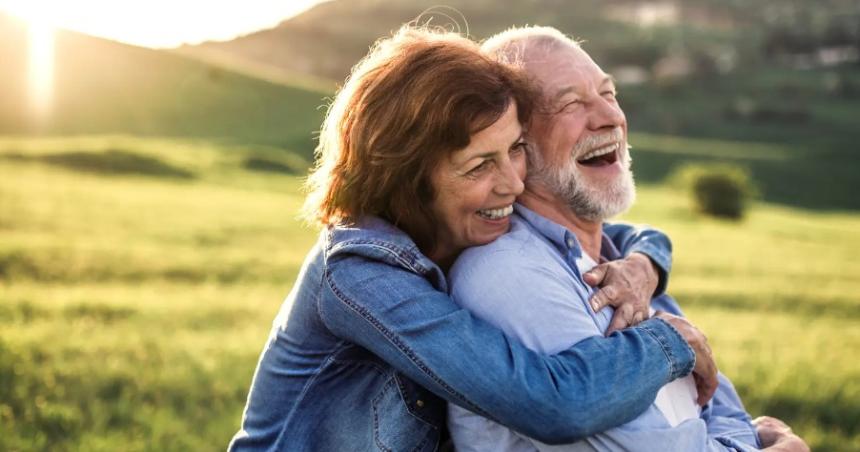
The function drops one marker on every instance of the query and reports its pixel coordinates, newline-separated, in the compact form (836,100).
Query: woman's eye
(609,94)
(480,168)
(519,148)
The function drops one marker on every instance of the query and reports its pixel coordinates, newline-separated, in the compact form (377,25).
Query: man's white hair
(517,45)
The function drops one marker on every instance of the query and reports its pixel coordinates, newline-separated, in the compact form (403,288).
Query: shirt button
(420,403)
(570,243)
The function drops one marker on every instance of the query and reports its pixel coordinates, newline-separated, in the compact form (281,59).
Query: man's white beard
(590,200)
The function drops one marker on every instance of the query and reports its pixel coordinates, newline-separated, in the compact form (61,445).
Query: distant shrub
(268,165)
(110,162)
(116,162)
(718,190)
(748,110)
(288,164)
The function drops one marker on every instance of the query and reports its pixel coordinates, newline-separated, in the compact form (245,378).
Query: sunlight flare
(41,69)
(159,23)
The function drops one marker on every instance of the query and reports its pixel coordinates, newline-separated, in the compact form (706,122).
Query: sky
(158,23)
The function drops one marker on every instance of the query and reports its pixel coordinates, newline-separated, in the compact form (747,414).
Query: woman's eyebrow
(519,139)
(483,155)
(491,153)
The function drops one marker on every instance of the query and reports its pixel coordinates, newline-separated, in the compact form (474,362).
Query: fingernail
(594,306)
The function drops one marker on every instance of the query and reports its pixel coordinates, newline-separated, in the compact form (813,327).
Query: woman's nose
(510,181)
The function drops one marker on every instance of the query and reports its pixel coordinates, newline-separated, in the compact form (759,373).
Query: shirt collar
(562,238)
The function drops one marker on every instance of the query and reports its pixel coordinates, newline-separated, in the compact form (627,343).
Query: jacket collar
(377,239)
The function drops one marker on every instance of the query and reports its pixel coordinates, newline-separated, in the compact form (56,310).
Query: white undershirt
(676,400)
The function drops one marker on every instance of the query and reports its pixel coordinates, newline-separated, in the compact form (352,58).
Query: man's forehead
(565,68)
(575,85)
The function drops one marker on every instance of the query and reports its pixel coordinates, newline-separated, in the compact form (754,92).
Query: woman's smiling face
(476,187)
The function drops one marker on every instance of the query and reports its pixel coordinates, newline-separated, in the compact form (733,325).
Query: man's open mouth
(602,156)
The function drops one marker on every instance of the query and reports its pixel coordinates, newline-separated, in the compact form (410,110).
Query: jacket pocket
(403,420)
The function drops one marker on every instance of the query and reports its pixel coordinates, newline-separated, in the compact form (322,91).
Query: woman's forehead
(498,137)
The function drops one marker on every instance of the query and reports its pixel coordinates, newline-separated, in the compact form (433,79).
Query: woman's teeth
(496,214)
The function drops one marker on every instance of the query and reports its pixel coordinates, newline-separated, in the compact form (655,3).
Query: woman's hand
(625,284)
(705,371)
(776,436)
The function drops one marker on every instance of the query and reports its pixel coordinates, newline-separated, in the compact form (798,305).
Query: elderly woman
(422,155)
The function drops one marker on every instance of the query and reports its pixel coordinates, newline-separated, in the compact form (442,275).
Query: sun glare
(152,23)
(41,69)
(40,56)
(159,23)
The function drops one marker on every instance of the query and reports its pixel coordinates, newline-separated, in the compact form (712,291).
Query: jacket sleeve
(689,436)
(648,241)
(420,331)
(725,414)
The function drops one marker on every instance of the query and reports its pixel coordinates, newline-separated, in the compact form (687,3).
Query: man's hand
(705,371)
(627,285)
(776,436)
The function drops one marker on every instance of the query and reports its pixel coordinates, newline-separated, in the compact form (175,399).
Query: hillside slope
(325,41)
(711,69)
(328,39)
(106,87)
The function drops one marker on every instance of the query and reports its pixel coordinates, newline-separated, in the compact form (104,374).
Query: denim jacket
(368,347)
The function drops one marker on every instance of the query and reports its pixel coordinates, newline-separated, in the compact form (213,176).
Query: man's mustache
(591,142)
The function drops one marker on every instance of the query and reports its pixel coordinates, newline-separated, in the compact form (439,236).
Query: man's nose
(606,114)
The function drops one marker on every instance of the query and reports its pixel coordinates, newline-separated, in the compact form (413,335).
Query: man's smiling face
(580,133)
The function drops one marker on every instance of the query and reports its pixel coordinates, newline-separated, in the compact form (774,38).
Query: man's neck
(549,205)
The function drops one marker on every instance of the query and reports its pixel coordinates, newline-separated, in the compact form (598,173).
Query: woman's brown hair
(415,98)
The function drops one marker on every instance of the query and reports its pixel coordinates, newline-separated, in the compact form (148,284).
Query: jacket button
(420,403)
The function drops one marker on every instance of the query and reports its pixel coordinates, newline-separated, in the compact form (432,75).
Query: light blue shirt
(529,284)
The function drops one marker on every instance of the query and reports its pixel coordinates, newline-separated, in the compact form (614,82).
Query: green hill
(715,70)
(328,39)
(141,265)
(739,77)
(107,87)
(139,279)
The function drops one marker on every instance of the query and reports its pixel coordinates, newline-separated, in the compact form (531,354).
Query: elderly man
(579,176)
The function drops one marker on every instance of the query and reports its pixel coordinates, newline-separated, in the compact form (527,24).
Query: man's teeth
(496,214)
(601,151)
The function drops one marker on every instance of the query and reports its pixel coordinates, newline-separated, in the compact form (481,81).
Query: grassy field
(139,277)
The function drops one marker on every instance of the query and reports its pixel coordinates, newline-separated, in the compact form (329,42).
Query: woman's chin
(491,230)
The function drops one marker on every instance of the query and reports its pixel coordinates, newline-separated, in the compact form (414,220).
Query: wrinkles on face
(581,147)
(476,187)
(590,198)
